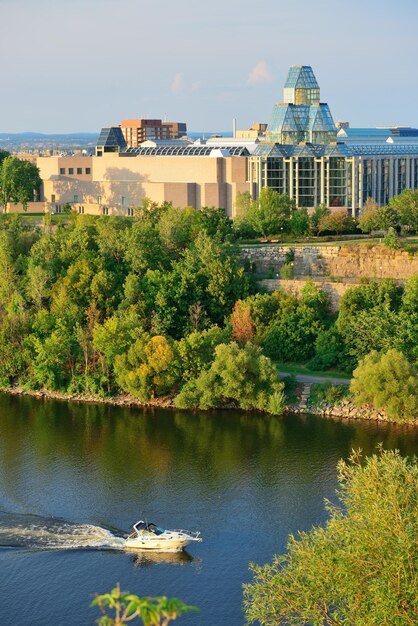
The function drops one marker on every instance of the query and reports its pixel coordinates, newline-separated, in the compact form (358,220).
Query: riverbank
(349,411)
(344,410)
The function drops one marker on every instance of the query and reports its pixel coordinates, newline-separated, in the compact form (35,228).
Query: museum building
(301,153)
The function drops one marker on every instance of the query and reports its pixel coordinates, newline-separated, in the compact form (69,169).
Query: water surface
(73,477)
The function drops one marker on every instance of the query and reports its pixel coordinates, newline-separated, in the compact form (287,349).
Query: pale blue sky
(78,65)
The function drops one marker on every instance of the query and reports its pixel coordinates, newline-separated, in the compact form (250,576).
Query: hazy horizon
(77,66)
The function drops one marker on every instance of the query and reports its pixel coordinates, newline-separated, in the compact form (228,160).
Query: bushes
(388,381)
(242,376)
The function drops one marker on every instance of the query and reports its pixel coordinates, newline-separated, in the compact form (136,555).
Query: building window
(81,209)
(75,198)
(105,210)
(79,170)
(57,208)
(71,170)
(99,199)
(130,212)
(88,170)
(53,197)
(123,202)
(62,170)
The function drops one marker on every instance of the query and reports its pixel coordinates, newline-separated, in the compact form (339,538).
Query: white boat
(148,536)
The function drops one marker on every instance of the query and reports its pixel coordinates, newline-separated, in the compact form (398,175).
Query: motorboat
(148,536)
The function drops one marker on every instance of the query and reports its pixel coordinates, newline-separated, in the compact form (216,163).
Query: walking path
(310,379)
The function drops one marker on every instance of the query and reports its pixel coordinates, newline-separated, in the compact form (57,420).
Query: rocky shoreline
(348,411)
(345,410)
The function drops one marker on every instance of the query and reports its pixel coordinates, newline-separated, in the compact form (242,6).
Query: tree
(145,370)
(391,239)
(299,222)
(18,181)
(239,375)
(369,218)
(243,203)
(242,323)
(361,568)
(157,611)
(270,214)
(406,206)
(386,217)
(387,381)
(336,222)
(3,155)
(319,213)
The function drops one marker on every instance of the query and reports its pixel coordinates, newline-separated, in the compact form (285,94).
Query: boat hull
(160,545)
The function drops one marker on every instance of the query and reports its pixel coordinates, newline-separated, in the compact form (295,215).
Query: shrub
(387,381)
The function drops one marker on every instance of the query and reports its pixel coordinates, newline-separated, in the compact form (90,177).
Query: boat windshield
(151,528)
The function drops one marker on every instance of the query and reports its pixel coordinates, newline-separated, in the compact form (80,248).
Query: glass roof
(333,150)
(170,150)
(111,136)
(301,77)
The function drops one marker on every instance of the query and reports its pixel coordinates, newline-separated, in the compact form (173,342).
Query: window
(62,170)
(81,209)
(123,201)
(79,170)
(71,170)
(130,212)
(53,197)
(99,199)
(75,198)
(57,208)
(105,210)
(88,170)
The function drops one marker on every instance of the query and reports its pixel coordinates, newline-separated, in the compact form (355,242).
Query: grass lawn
(297,368)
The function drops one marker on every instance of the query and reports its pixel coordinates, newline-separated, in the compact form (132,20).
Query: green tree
(391,239)
(242,376)
(196,351)
(145,370)
(336,222)
(19,180)
(361,568)
(369,218)
(387,381)
(320,212)
(3,155)
(299,222)
(126,607)
(406,207)
(270,214)
(387,217)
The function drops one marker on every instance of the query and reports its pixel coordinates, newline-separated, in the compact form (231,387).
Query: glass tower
(301,117)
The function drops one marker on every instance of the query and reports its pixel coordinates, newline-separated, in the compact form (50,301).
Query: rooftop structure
(301,116)
(110,140)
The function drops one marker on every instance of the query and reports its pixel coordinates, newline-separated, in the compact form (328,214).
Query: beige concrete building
(115,183)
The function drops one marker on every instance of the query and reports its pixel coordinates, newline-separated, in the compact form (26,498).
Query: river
(74,476)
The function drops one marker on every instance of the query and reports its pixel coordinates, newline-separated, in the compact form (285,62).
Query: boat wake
(41,533)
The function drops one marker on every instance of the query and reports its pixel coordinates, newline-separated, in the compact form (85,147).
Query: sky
(77,65)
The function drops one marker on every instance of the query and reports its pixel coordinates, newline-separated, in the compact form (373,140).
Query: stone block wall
(335,290)
(348,263)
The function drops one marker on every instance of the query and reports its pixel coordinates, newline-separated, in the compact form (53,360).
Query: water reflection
(245,481)
(148,558)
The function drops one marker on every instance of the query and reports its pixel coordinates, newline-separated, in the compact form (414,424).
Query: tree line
(275,215)
(162,306)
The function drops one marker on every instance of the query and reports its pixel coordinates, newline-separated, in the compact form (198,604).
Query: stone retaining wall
(348,262)
(335,290)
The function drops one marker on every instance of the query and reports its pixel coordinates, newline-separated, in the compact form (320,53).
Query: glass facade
(303,158)
(301,117)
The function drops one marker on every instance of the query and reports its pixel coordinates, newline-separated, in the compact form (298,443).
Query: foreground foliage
(360,569)
(125,607)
